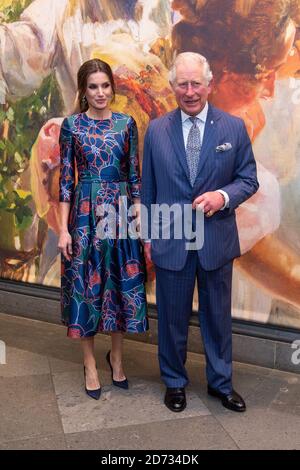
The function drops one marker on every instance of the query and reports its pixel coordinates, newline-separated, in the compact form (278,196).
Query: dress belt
(99,180)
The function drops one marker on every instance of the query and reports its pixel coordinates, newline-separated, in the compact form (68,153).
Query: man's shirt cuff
(226,198)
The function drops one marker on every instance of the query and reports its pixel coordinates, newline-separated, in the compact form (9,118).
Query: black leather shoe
(175,399)
(233,401)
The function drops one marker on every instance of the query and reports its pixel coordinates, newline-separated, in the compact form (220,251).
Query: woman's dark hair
(234,35)
(86,69)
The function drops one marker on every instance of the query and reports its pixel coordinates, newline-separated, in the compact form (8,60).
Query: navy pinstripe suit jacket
(165,179)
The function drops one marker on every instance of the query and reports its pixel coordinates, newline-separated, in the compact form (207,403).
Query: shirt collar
(202,115)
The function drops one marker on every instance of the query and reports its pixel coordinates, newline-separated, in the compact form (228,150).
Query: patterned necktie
(193,148)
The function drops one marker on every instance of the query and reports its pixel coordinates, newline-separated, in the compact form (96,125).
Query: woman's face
(283,50)
(241,94)
(98,91)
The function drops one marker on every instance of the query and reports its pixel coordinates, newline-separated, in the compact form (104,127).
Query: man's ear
(211,85)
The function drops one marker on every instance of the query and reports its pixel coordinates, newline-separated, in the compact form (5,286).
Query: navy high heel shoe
(92,393)
(117,383)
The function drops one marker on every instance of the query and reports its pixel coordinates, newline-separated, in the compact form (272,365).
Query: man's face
(190,87)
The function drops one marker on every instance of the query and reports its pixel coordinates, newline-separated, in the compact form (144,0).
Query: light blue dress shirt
(186,126)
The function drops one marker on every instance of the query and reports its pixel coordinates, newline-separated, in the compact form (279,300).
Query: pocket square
(224,147)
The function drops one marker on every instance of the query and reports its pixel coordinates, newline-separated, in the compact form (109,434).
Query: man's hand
(209,202)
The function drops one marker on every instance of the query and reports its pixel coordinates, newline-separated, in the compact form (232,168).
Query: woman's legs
(116,356)
(89,361)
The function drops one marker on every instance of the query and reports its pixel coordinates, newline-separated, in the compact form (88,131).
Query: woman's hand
(136,213)
(65,244)
(147,252)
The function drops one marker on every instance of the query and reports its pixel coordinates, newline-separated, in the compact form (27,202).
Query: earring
(84,101)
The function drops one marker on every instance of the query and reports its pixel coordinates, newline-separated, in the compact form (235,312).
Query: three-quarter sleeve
(67,163)
(134,178)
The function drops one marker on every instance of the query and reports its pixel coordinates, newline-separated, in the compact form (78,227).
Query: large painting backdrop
(254,50)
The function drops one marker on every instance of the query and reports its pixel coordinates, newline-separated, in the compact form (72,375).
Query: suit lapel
(174,129)
(209,138)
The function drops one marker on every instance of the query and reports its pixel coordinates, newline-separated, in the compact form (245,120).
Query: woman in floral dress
(102,285)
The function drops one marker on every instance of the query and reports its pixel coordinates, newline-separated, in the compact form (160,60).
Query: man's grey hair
(191,56)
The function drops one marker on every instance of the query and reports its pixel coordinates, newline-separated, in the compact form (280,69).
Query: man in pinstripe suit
(201,156)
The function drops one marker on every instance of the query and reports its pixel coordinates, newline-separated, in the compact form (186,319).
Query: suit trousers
(174,297)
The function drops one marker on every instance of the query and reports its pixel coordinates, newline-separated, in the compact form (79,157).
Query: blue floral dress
(102,287)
